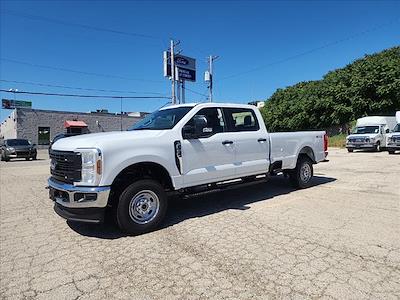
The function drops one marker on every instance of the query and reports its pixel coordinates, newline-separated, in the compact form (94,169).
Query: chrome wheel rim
(144,207)
(305,173)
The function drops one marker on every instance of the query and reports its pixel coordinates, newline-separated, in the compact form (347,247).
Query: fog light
(85,197)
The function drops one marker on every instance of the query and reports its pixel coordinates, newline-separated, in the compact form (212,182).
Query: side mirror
(187,132)
(200,123)
(197,130)
(387,130)
(34,145)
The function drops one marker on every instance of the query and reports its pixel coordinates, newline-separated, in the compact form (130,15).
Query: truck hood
(393,134)
(366,135)
(101,140)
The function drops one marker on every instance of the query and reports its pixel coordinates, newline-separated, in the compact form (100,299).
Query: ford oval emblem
(181,61)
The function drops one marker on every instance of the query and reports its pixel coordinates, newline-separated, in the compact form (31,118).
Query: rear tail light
(326,144)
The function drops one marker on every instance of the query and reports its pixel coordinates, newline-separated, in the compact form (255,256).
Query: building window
(43,135)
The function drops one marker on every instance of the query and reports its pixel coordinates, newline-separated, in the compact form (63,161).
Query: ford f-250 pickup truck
(181,149)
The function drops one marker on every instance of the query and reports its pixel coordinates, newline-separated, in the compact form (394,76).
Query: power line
(83,96)
(76,71)
(78,88)
(90,27)
(194,92)
(356,35)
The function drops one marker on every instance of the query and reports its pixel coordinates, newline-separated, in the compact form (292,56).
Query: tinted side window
(241,119)
(215,120)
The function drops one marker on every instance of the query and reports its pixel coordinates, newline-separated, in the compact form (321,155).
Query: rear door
(209,158)
(251,142)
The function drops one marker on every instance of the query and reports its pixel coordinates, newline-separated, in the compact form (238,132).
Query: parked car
(178,150)
(393,138)
(18,148)
(370,133)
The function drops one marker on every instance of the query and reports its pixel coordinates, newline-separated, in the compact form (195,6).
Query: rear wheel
(141,207)
(301,176)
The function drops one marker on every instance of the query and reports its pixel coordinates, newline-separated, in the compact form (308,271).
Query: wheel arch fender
(307,151)
(146,169)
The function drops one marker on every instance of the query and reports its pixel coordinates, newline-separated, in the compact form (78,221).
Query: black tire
(378,147)
(350,150)
(34,157)
(297,177)
(27,158)
(129,219)
(391,152)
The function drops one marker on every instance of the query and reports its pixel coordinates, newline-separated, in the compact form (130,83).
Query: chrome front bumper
(360,146)
(70,196)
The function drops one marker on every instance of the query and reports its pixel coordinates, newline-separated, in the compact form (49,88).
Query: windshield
(17,142)
(162,119)
(397,128)
(366,129)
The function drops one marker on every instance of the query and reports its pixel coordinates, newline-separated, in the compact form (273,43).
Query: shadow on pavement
(181,209)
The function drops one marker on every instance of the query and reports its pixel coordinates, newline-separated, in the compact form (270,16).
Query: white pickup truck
(181,149)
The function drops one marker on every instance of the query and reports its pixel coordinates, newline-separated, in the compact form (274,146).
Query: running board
(220,186)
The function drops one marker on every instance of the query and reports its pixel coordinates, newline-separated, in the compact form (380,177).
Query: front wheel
(301,176)
(349,150)
(142,207)
(391,152)
(378,147)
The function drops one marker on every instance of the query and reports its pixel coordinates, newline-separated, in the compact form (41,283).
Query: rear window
(241,119)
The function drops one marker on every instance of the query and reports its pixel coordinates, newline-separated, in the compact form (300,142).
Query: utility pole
(183,91)
(211,59)
(178,97)
(173,72)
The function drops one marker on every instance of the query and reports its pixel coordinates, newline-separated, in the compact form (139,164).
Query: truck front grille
(65,166)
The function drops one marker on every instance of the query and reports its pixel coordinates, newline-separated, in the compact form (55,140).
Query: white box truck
(393,138)
(370,133)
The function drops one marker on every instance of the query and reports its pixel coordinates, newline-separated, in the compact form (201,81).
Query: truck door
(209,158)
(250,141)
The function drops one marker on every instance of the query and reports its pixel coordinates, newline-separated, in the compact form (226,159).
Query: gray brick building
(40,126)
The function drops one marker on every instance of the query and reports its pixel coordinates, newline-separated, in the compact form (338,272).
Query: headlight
(11,149)
(372,140)
(91,167)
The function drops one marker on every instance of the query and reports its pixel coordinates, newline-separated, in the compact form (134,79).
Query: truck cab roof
(213,104)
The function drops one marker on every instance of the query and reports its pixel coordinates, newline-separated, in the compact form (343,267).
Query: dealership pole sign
(11,104)
(185,66)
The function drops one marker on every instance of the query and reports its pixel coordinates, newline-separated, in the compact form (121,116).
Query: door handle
(262,140)
(227,143)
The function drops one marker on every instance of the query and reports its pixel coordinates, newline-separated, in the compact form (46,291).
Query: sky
(83,47)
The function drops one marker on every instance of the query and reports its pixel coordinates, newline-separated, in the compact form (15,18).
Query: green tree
(367,86)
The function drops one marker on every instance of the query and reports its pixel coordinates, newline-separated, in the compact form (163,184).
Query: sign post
(181,68)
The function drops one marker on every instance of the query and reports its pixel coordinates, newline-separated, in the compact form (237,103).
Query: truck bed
(286,145)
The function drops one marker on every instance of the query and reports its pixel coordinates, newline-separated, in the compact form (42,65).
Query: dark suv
(17,148)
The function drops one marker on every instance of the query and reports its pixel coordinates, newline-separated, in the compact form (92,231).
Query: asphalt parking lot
(339,239)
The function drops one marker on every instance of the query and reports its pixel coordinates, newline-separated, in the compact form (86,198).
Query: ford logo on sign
(181,61)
